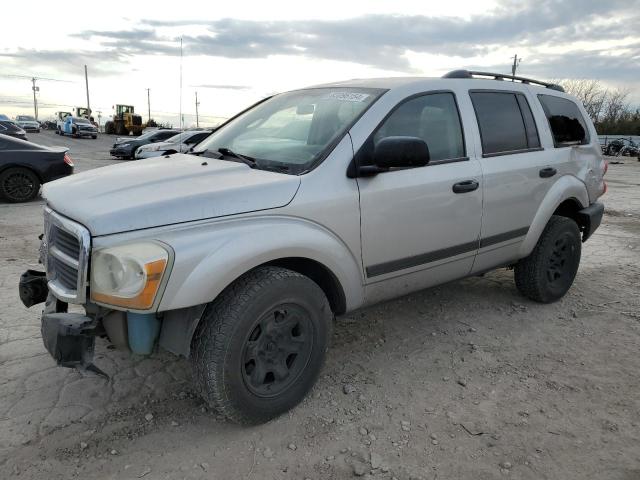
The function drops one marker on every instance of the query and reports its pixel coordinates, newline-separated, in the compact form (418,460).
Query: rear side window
(165,134)
(505,121)
(565,120)
(432,117)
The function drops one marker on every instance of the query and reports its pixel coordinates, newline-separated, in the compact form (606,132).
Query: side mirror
(401,152)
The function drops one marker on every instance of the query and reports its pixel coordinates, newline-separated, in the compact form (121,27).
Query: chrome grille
(66,256)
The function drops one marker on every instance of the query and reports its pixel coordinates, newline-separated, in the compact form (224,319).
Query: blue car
(78,127)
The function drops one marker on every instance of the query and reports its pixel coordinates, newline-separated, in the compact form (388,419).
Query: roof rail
(501,76)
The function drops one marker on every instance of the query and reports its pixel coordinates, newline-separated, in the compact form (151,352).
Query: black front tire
(547,274)
(260,345)
(19,185)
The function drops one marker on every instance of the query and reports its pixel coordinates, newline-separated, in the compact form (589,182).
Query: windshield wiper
(244,159)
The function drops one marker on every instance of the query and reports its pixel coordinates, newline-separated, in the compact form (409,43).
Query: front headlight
(124,145)
(128,275)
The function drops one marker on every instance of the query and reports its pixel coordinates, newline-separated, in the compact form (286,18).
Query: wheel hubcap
(561,255)
(18,186)
(277,350)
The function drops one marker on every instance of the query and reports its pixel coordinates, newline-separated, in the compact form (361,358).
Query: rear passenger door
(518,170)
(416,230)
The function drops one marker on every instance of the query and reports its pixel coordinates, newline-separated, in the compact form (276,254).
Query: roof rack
(501,76)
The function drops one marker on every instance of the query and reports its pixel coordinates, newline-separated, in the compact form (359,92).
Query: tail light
(67,160)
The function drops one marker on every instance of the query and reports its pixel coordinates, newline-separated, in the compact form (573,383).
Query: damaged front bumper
(68,337)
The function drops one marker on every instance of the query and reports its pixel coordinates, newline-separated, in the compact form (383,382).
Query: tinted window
(164,134)
(501,123)
(431,117)
(566,122)
(198,137)
(533,141)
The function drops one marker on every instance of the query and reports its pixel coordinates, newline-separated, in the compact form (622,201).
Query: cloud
(384,40)
(102,62)
(223,87)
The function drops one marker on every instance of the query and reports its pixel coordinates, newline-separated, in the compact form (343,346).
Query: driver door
(418,227)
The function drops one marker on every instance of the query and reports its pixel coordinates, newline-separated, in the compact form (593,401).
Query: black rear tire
(19,185)
(260,345)
(547,274)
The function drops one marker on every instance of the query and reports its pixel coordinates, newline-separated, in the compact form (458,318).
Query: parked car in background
(3,117)
(180,143)
(125,147)
(60,119)
(24,166)
(79,127)
(28,123)
(11,128)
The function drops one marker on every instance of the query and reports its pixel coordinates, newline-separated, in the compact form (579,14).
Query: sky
(235,53)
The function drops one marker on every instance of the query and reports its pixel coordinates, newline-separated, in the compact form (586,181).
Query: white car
(180,143)
(28,123)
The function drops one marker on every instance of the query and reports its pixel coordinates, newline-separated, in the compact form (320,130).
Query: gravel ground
(466,380)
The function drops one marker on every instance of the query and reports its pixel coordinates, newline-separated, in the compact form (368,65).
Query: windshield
(23,118)
(292,130)
(180,137)
(81,120)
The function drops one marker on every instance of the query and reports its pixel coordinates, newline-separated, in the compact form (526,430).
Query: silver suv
(310,204)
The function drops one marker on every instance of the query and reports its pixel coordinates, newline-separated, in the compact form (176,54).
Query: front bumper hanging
(68,337)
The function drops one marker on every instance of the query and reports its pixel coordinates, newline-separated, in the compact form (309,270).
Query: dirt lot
(467,380)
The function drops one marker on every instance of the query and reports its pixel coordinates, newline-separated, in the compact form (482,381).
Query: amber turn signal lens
(143,300)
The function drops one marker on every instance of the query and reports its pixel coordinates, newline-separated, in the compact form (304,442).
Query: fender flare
(565,188)
(213,256)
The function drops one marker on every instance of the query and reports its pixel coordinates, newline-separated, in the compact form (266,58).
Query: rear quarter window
(505,122)
(567,124)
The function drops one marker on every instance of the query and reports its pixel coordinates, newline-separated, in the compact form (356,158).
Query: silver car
(28,123)
(310,204)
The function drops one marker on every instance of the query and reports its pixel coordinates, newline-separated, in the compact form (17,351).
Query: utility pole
(197,118)
(148,104)
(86,81)
(35,100)
(516,63)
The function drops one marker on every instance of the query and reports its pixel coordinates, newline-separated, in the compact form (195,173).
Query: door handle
(466,186)
(548,172)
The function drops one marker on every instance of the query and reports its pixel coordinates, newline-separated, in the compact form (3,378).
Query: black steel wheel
(548,273)
(19,185)
(277,350)
(260,346)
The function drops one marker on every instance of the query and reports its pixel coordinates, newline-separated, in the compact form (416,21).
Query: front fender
(566,187)
(208,258)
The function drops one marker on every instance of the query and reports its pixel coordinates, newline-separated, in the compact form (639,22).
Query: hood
(158,191)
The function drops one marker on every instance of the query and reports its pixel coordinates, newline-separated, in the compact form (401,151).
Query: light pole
(197,118)
(148,104)
(35,100)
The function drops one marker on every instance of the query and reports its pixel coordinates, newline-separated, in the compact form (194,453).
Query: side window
(505,121)
(166,134)
(432,117)
(565,120)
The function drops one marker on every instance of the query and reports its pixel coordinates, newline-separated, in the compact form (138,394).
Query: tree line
(609,109)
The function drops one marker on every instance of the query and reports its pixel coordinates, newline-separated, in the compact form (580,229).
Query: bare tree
(591,93)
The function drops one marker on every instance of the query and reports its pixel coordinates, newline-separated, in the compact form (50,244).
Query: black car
(24,166)
(11,128)
(126,148)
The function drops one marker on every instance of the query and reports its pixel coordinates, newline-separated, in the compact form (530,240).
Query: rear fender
(566,187)
(208,258)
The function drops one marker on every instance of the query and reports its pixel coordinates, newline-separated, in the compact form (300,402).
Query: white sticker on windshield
(348,96)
